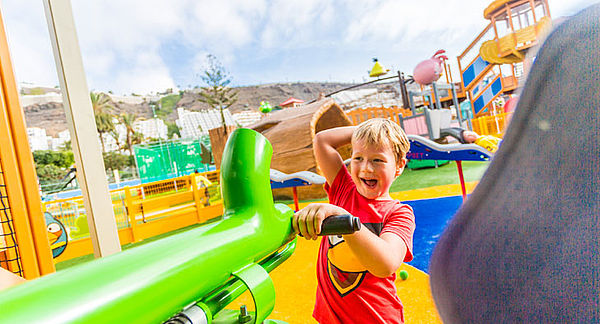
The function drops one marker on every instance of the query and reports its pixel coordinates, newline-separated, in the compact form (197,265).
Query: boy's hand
(307,221)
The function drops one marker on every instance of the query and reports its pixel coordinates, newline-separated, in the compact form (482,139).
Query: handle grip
(339,225)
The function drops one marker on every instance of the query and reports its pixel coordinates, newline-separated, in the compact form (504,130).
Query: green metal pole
(150,283)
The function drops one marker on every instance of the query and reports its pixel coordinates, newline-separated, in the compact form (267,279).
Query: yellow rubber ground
(295,280)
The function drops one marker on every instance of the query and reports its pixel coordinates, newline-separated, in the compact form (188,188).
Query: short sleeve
(402,223)
(341,187)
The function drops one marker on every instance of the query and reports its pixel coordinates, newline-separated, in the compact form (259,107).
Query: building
(38,140)
(291,103)
(246,117)
(57,143)
(193,124)
(151,128)
(110,142)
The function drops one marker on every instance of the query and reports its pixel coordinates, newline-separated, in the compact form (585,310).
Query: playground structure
(291,132)
(254,236)
(24,248)
(424,149)
(494,63)
(140,214)
(33,236)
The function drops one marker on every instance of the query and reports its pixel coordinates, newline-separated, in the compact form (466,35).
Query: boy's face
(373,169)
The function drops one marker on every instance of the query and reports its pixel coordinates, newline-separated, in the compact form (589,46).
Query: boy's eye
(358,158)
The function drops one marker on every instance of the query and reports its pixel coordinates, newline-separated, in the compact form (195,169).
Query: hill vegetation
(51,116)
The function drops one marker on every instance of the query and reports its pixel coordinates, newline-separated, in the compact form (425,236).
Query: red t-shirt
(346,291)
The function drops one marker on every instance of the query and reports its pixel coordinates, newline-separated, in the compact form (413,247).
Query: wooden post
(218,138)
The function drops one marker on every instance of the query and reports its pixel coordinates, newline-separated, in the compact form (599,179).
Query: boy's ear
(400,167)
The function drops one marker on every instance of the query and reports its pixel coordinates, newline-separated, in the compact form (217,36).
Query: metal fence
(9,253)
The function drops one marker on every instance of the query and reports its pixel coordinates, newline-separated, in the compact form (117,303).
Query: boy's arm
(325,144)
(381,255)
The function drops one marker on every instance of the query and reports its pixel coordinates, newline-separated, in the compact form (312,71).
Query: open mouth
(371,183)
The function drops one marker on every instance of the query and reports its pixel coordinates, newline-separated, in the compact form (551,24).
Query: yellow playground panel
(142,211)
(492,125)
(24,248)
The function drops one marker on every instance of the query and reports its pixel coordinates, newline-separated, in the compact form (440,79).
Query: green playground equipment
(188,277)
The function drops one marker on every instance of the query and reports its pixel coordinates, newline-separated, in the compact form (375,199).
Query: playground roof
(494,6)
(291,100)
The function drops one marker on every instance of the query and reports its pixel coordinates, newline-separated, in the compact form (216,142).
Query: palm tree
(127,119)
(115,134)
(102,106)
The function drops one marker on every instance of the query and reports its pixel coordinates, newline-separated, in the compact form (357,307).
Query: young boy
(356,272)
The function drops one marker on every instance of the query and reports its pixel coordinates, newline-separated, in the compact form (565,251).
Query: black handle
(340,224)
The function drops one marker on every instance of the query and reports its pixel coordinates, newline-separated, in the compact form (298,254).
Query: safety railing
(142,211)
(359,115)
(492,125)
(470,63)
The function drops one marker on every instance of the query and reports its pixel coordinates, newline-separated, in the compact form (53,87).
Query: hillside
(51,116)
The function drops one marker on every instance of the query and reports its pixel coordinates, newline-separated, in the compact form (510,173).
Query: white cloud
(29,44)
(148,75)
(123,42)
(290,24)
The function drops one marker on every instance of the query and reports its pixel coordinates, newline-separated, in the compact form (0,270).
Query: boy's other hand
(307,221)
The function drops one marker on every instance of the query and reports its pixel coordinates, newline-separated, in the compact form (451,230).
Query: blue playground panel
(474,70)
(487,96)
(432,217)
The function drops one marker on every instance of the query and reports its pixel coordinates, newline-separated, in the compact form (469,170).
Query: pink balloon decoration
(431,69)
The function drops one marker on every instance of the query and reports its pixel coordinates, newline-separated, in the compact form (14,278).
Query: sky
(148,46)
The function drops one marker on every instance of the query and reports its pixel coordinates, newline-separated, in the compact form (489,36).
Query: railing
(143,211)
(492,125)
(470,64)
(486,90)
(358,116)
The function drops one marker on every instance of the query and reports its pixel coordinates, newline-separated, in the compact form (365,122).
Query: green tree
(102,106)
(166,105)
(115,134)
(61,159)
(116,161)
(67,146)
(127,119)
(217,93)
(49,173)
(172,129)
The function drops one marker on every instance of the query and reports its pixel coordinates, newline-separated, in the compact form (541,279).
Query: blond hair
(383,132)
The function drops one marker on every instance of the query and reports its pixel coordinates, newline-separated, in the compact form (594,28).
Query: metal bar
(436,103)
(456,105)
(82,126)
(462,179)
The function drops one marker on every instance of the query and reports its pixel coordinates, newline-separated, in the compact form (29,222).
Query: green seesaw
(189,277)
